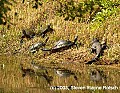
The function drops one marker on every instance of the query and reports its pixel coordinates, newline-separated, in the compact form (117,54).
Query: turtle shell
(36,46)
(62,43)
(27,34)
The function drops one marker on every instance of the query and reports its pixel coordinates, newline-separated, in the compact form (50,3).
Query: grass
(72,59)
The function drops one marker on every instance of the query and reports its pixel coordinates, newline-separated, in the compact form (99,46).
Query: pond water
(36,77)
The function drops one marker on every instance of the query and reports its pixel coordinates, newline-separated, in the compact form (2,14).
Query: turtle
(62,45)
(35,47)
(46,30)
(98,49)
(27,35)
(95,48)
(64,73)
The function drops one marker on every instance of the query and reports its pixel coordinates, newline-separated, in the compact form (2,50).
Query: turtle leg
(76,46)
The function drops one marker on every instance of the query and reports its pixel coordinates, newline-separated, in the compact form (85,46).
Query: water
(62,77)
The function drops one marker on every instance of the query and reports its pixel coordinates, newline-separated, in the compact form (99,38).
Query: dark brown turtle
(62,45)
(46,30)
(27,35)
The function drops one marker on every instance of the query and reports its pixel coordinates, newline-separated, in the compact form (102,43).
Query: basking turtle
(35,47)
(97,48)
(65,73)
(27,35)
(62,44)
(46,30)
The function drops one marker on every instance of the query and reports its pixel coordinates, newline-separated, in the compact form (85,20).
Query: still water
(19,74)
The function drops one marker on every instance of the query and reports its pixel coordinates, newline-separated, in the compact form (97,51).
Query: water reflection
(26,71)
(40,72)
(97,75)
(61,72)
(35,75)
(38,67)
(65,73)
(47,77)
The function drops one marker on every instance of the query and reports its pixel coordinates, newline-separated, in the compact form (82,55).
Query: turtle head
(46,40)
(76,37)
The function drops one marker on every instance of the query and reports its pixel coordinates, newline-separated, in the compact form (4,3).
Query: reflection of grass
(12,80)
(73,59)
